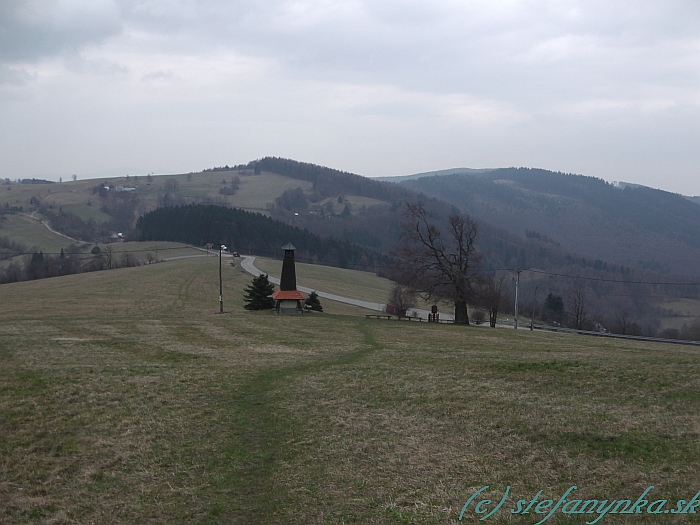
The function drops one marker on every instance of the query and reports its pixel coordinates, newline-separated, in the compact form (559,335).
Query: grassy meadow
(126,398)
(77,197)
(32,233)
(347,283)
(685,312)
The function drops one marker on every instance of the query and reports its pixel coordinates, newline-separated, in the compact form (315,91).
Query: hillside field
(366,286)
(516,197)
(77,197)
(30,232)
(126,398)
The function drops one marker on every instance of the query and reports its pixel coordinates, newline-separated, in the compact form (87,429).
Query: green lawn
(88,211)
(31,233)
(126,398)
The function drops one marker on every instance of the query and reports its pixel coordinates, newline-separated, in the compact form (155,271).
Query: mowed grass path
(125,398)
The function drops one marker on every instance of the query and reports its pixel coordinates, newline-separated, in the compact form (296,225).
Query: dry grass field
(77,197)
(686,312)
(348,283)
(126,398)
(32,233)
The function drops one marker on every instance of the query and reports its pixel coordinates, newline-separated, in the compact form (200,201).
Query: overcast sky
(606,88)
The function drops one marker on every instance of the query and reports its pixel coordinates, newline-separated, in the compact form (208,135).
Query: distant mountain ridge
(453,171)
(626,224)
(479,171)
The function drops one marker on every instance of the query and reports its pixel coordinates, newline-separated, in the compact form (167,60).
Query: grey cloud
(14,81)
(15,76)
(479,47)
(96,67)
(581,49)
(158,75)
(34,29)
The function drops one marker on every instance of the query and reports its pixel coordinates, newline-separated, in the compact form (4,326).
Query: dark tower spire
(288,280)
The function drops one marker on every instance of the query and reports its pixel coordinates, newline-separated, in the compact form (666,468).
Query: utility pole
(517,283)
(532,319)
(221,286)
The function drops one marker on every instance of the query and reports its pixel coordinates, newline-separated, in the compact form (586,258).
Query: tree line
(245,231)
(439,260)
(328,182)
(71,260)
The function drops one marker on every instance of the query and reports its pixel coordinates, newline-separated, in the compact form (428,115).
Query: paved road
(50,228)
(248,264)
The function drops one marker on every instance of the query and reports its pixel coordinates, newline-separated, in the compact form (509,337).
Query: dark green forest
(248,232)
(328,182)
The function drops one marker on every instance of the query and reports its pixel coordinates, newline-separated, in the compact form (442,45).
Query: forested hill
(635,226)
(342,219)
(372,214)
(247,232)
(328,182)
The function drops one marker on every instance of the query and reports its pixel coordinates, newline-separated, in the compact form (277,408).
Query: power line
(610,280)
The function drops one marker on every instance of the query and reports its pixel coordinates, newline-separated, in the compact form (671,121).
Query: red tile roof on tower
(294,295)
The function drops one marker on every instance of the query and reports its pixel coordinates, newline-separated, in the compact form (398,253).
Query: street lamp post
(517,284)
(221,286)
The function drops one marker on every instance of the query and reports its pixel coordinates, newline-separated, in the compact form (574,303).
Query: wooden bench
(377,316)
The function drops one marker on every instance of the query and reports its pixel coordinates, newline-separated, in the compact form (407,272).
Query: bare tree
(402,296)
(623,320)
(107,256)
(577,296)
(492,295)
(436,265)
(129,260)
(478,317)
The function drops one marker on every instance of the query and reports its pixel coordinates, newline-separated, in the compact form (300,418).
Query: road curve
(248,264)
(45,223)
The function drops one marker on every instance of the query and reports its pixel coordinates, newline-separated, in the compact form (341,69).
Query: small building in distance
(288,300)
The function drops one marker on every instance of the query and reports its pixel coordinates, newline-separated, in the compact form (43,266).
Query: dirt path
(49,227)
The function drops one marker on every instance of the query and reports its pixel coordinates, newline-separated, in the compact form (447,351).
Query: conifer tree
(313,303)
(257,294)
